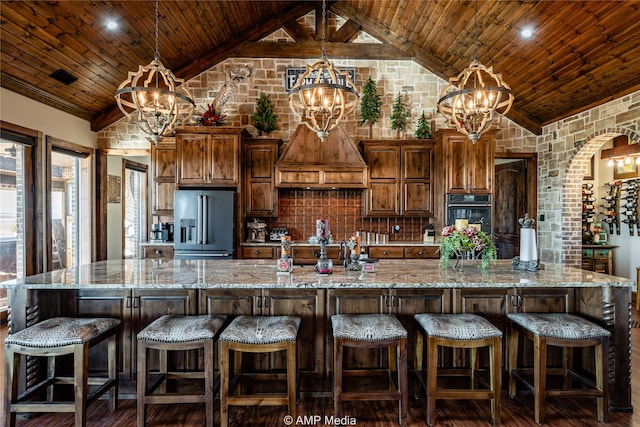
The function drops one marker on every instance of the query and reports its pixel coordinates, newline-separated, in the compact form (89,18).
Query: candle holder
(354,265)
(285,263)
(324,264)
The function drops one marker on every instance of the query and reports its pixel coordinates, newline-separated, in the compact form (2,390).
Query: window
(134,207)
(70,201)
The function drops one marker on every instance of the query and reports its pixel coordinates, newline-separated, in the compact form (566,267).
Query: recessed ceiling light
(112,25)
(526,33)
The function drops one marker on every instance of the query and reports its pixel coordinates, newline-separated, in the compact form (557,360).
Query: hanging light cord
(475,30)
(324,25)
(157,52)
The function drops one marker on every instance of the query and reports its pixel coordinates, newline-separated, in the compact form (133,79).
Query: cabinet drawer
(601,253)
(158,252)
(257,252)
(386,252)
(430,252)
(587,253)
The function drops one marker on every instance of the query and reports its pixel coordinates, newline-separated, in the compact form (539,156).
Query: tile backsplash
(298,210)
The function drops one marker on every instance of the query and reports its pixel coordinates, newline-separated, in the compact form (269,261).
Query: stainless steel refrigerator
(204,224)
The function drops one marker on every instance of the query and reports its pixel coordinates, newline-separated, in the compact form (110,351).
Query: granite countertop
(337,243)
(201,274)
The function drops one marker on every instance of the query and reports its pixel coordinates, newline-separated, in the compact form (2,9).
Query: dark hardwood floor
(515,412)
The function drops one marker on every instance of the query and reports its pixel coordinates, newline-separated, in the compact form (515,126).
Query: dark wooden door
(509,204)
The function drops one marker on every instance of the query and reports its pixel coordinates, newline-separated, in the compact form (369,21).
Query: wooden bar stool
(370,331)
(560,330)
(258,334)
(177,333)
(57,337)
(459,331)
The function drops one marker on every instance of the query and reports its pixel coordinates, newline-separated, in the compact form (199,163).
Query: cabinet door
(116,304)
(417,193)
(163,162)
(229,302)
(427,252)
(481,168)
(354,301)
(395,252)
(382,198)
(308,304)
(257,252)
(193,159)
(223,160)
(261,194)
(456,163)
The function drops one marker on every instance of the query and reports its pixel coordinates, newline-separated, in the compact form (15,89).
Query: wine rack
(588,208)
(610,206)
(629,205)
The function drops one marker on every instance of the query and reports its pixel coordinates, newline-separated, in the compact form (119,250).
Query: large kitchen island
(139,291)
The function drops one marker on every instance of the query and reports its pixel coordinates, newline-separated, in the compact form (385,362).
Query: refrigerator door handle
(199,221)
(205,220)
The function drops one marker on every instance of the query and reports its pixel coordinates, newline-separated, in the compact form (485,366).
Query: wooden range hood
(308,162)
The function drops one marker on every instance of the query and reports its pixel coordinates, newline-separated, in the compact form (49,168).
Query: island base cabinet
(136,309)
(308,304)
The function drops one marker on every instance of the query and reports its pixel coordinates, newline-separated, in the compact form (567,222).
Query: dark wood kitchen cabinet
(468,167)
(400,178)
(136,309)
(308,304)
(163,170)
(259,160)
(208,156)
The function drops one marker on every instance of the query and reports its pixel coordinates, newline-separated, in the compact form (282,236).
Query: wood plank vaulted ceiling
(583,53)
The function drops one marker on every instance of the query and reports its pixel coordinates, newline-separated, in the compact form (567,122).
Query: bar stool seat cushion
(462,327)
(558,325)
(367,327)
(61,331)
(259,330)
(176,329)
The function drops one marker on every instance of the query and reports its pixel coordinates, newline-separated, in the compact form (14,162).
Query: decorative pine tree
(264,119)
(423,130)
(399,115)
(370,105)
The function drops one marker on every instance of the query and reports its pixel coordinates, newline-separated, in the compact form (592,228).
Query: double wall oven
(476,208)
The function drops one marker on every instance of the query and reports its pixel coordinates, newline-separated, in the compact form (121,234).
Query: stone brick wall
(563,149)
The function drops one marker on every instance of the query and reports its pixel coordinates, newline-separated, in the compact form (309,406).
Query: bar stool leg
(208,382)
(81,369)
(402,381)
(337,380)
(12,365)
(224,383)
(431,377)
(292,377)
(112,367)
(142,383)
(418,356)
(512,344)
(495,363)
(601,355)
(51,372)
(473,355)
(540,376)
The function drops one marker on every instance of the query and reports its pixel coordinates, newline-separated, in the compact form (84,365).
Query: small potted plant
(211,117)
(399,115)
(264,118)
(466,242)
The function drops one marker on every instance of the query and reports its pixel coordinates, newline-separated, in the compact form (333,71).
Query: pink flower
(470,232)
(447,231)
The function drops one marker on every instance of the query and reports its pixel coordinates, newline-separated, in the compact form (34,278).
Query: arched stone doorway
(572,192)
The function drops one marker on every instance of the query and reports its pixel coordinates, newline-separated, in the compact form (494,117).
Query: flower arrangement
(211,117)
(460,242)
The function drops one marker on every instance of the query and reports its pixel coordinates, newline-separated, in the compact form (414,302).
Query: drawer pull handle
(386,252)
(257,252)
(158,252)
(421,253)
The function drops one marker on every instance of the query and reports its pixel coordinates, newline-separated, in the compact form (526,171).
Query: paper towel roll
(528,246)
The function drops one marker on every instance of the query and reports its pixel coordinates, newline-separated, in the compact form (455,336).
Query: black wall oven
(476,208)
